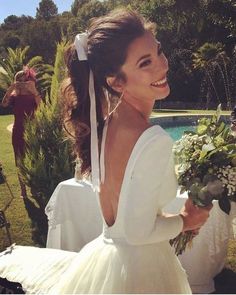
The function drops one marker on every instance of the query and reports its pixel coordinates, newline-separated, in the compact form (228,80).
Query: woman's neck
(144,109)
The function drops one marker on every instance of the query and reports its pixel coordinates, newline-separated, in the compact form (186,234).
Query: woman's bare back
(122,134)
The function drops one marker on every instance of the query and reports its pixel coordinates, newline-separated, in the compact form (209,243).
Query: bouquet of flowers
(206,168)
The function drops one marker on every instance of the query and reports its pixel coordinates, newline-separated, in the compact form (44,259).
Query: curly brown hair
(108,40)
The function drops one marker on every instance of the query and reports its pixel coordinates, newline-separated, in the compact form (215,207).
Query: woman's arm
(7,97)
(153,182)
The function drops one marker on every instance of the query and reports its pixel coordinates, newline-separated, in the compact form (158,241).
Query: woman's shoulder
(152,144)
(152,133)
(151,155)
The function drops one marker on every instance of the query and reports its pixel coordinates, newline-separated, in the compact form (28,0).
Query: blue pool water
(177,131)
(176,125)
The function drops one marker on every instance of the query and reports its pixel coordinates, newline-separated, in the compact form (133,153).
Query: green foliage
(47,159)
(183,27)
(112,4)
(16,214)
(205,168)
(46,9)
(89,10)
(213,61)
(207,54)
(13,22)
(205,157)
(15,61)
(223,14)
(77,5)
(11,40)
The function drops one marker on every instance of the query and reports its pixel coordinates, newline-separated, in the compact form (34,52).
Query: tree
(223,14)
(42,37)
(15,61)
(212,60)
(112,4)
(77,5)
(90,10)
(46,9)
(11,40)
(13,22)
(48,155)
(183,80)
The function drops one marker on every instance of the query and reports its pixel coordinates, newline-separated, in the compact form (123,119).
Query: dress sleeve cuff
(169,227)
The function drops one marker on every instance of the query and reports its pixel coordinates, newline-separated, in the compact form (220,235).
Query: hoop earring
(121,96)
(118,102)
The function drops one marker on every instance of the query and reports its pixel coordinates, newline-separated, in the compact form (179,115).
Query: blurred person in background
(24,98)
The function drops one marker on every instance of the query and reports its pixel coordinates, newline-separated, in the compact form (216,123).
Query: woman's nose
(161,63)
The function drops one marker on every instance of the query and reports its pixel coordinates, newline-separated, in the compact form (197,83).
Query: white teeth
(159,82)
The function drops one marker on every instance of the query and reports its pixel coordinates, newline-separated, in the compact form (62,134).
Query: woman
(24,98)
(121,56)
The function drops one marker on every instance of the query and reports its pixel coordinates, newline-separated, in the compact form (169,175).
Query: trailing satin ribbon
(82,52)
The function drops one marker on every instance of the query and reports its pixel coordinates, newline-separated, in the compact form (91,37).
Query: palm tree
(212,59)
(15,61)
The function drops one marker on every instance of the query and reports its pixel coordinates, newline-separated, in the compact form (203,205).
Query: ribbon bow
(29,72)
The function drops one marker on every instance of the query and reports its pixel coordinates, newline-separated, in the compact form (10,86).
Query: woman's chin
(164,94)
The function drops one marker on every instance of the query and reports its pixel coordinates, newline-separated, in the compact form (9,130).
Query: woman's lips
(160,83)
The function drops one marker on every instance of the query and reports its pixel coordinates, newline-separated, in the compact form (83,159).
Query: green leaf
(221,127)
(203,154)
(201,129)
(225,205)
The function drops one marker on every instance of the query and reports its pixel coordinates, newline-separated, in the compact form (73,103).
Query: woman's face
(145,68)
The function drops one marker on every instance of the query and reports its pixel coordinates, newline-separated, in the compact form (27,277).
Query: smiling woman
(148,65)
(133,177)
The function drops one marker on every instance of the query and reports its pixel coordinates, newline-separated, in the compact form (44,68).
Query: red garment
(23,106)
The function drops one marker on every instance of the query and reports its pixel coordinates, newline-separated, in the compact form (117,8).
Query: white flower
(208,147)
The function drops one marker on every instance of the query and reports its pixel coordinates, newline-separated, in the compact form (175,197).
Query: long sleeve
(152,185)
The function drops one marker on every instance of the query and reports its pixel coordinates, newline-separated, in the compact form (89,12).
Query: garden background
(198,38)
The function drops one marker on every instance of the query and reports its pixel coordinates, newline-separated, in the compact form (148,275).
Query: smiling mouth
(160,83)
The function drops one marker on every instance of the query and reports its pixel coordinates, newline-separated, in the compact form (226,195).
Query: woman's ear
(115,83)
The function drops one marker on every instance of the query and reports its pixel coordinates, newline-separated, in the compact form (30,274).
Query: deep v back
(107,191)
(109,202)
(102,174)
(141,141)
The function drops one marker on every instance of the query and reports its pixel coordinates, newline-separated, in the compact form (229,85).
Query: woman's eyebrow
(142,57)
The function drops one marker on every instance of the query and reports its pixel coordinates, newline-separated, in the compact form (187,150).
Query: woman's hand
(193,216)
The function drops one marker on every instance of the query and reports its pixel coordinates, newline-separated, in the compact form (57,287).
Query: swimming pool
(178,131)
(176,125)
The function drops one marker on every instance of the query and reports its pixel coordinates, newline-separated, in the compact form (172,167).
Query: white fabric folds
(82,52)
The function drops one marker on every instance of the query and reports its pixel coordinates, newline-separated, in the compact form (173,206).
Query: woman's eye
(145,63)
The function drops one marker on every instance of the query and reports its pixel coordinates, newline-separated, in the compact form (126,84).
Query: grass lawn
(17,215)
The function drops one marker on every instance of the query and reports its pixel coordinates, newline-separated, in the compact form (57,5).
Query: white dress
(134,254)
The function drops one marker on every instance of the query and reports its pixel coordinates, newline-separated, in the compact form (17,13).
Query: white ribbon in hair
(82,51)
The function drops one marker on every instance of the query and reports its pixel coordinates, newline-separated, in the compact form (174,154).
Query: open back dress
(131,256)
